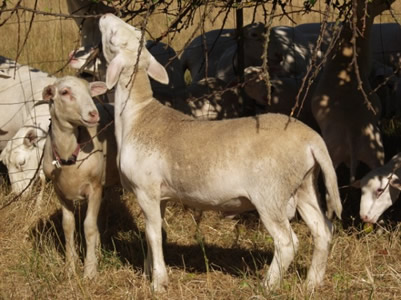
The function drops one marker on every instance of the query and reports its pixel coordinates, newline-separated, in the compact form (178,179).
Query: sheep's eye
(19,164)
(112,39)
(379,191)
(64,92)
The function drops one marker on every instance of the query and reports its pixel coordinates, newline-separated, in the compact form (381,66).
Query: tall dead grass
(49,41)
(217,259)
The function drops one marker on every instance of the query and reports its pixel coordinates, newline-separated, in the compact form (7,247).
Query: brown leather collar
(58,161)
(66,162)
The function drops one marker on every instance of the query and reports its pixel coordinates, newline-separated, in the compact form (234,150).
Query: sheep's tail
(322,157)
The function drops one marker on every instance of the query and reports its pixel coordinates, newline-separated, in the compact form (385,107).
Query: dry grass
(219,259)
(49,41)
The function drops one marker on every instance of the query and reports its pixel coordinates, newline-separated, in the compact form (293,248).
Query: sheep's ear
(356,184)
(114,70)
(30,138)
(97,88)
(4,75)
(395,182)
(49,92)
(157,71)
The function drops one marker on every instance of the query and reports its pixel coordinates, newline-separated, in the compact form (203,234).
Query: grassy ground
(219,259)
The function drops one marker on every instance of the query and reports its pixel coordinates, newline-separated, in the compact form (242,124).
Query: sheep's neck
(140,91)
(132,95)
(64,140)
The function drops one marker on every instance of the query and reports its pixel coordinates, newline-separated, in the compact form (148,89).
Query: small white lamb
(79,158)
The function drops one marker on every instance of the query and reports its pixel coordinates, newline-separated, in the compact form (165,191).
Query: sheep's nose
(364,218)
(94,115)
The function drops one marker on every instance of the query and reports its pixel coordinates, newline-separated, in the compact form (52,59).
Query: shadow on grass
(130,246)
(115,220)
(121,237)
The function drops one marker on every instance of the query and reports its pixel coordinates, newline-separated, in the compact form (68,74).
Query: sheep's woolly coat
(230,165)
(79,158)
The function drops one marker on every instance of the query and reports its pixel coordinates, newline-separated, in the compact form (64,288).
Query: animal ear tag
(56,163)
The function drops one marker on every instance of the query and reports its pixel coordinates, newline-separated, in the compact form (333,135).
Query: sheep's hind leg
(285,243)
(321,228)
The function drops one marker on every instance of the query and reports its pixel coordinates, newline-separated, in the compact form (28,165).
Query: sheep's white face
(122,43)
(117,36)
(72,102)
(22,156)
(79,57)
(378,194)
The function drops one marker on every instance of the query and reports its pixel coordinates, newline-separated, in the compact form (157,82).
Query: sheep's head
(122,43)
(21,156)
(87,60)
(71,101)
(378,193)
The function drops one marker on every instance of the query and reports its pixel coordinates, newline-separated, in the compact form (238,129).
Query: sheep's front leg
(154,262)
(92,235)
(69,231)
(39,198)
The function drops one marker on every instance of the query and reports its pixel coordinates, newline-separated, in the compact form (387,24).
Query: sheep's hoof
(159,287)
(270,285)
(90,272)
(71,265)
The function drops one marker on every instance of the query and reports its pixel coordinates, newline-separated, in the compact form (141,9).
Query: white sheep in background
(214,43)
(173,94)
(20,87)
(211,99)
(79,158)
(23,153)
(380,189)
(385,45)
(231,165)
(311,31)
(383,60)
(207,99)
(288,52)
(283,94)
(349,128)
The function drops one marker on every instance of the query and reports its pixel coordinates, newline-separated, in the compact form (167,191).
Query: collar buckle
(56,163)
